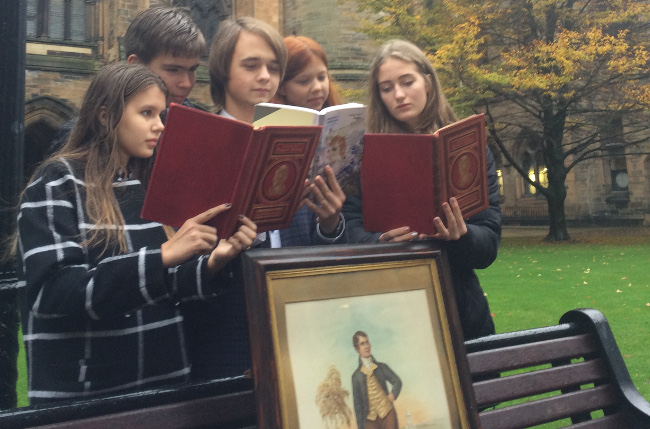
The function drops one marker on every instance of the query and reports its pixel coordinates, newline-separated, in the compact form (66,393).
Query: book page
(281,114)
(326,110)
(341,145)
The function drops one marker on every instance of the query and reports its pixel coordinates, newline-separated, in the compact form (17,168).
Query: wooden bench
(577,361)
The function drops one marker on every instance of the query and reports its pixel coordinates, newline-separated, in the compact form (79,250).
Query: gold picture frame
(304,307)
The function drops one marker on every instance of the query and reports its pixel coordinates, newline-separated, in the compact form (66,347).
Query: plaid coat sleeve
(65,277)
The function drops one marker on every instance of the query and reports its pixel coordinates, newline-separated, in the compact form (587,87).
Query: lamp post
(12,120)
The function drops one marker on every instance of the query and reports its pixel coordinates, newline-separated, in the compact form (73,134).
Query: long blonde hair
(437,112)
(94,144)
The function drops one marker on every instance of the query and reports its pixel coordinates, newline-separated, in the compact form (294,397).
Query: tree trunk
(554,157)
(557,217)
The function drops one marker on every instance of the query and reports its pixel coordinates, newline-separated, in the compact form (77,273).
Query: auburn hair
(301,51)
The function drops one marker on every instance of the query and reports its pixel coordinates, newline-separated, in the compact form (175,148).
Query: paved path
(542,231)
(524,231)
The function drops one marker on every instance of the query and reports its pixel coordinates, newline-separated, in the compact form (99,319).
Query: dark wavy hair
(163,30)
(355,338)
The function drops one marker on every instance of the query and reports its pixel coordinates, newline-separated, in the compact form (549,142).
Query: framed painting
(345,334)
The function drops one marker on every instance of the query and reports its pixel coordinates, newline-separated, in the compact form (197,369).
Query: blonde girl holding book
(406,97)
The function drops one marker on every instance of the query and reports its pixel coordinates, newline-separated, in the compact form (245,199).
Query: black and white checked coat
(97,323)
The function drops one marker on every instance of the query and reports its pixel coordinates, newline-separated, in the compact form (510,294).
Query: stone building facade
(68,40)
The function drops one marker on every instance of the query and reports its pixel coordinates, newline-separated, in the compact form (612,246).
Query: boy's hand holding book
(328,201)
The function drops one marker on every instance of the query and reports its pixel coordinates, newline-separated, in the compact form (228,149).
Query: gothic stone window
(618,168)
(612,136)
(532,161)
(207,14)
(499,166)
(60,20)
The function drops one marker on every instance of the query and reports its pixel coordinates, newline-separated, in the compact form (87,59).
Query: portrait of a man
(373,401)
(279,184)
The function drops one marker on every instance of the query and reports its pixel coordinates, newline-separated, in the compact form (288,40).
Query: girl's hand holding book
(193,238)
(456,226)
(402,233)
(228,249)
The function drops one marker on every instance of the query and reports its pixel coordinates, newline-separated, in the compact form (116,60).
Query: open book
(204,160)
(341,141)
(407,177)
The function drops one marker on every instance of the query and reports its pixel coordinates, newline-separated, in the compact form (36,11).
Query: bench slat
(522,356)
(542,381)
(549,409)
(613,421)
(226,411)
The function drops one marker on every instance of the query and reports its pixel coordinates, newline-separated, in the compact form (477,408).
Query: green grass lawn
(21,387)
(533,283)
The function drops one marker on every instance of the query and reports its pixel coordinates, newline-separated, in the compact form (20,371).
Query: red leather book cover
(405,178)
(463,150)
(204,160)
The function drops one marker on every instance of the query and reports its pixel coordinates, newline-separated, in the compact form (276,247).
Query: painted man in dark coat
(373,402)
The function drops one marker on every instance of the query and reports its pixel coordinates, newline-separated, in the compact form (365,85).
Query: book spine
(242,189)
(440,178)
(273,191)
(466,162)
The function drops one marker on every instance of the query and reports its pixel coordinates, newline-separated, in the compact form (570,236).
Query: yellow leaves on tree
(552,67)
(331,400)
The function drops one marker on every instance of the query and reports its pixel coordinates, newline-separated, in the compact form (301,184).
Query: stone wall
(330,23)
(64,86)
